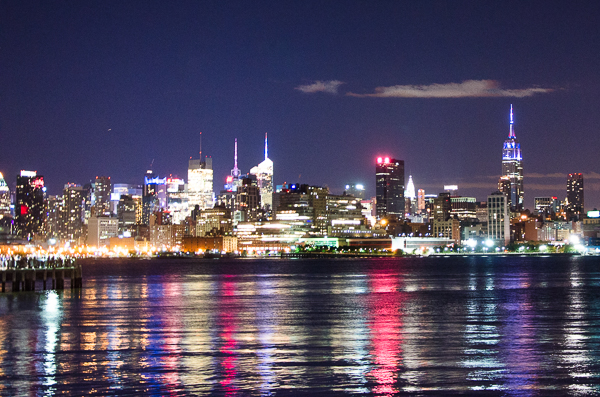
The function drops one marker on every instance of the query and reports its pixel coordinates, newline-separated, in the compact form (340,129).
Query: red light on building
(379,160)
(37,183)
(386,160)
(24,209)
(229,179)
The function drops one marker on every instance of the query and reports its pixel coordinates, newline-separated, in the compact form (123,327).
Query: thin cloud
(586,175)
(461,185)
(560,187)
(466,89)
(330,87)
(538,175)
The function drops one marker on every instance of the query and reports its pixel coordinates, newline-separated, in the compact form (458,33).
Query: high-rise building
(30,207)
(264,177)
(74,211)
(235,178)
(442,207)
(101,229)
(4,198)
(55,225)
(421,200)
(546,206)
(200,182)
(102,191)
(464,208)
(177,200)
(410,197)
(389,188)
(498,218)
(247,200)
(150,195)
(574,203)
(126,214)
(512,167)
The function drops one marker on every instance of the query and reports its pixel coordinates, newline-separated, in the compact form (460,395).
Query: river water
(424,326)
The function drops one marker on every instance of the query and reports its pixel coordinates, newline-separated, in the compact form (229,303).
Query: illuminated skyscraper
(512,167)
(235,178)
(200,182)
(151,202)
(410,197)
(574,208)
(4,198)
(73,211)
(30,207)
(389,187)
(102,190)
(264,176)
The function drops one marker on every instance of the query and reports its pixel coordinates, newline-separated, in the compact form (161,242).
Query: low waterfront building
(410,244)
(219,243)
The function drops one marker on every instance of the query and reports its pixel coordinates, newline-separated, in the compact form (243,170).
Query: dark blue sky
(106,87)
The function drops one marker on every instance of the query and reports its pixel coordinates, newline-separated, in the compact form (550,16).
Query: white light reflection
(350,339)
(482,338)
(575,353)
(51,318)
(267,336)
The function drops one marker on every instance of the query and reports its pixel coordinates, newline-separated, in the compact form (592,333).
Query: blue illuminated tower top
(512,167)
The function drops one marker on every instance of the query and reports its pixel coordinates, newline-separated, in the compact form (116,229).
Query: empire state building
(511,181)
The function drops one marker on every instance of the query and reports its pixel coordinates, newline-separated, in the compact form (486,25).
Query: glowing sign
(450,187)
(229,179)
(155,181)
(28,174)
(593,214)
(360,187)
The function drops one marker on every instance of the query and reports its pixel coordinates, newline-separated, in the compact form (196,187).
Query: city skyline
(113,87)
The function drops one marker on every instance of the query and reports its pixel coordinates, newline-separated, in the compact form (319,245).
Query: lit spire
(235,172)
(200,146)
(410,189)
(266,147)
(511,133)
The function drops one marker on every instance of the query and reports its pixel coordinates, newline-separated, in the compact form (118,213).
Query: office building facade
(498,218)
(389,188)
(30,206)
(574,203)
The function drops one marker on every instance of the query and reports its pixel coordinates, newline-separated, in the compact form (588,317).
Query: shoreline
(325,255)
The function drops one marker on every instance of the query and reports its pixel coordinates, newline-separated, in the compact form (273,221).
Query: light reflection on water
(506,326)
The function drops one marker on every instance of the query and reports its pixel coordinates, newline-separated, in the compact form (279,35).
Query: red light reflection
(228,320)
(386,328)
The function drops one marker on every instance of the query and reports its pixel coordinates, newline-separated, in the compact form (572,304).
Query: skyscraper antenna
(266,147)
(235,172)
(200,146)
(511,133)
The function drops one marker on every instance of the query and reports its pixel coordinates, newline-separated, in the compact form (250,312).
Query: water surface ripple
(425,326)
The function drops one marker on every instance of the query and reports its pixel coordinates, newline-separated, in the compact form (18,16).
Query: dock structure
(24,275)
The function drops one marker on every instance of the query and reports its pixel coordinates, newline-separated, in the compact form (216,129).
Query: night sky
(107,87)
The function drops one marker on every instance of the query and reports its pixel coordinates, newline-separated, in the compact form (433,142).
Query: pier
(24,275)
